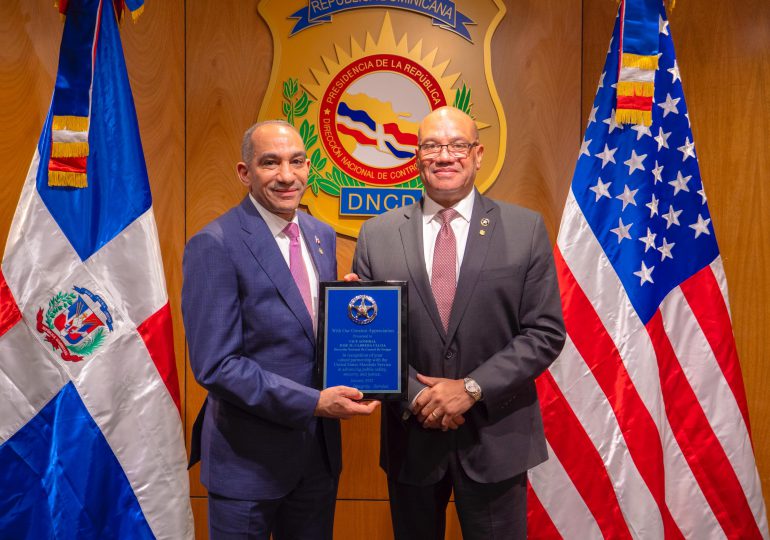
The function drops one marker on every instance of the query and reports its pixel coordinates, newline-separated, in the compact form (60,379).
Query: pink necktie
(444,272)
(297,266)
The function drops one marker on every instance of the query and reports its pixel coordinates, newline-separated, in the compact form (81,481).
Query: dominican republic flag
(91,442)
(644,410)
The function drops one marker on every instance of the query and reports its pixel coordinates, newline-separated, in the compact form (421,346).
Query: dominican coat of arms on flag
(91,442)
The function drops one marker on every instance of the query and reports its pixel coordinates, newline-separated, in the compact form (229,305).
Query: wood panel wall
(199,70)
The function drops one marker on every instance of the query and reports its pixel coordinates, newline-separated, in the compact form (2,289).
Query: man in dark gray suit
(484,321)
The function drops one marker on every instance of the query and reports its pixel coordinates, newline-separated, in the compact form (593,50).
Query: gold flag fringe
(639,61)
(633,116)
(69,149)
(635,88)
(71,123)
(67,179)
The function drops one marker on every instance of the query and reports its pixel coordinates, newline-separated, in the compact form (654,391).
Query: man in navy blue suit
(268,439)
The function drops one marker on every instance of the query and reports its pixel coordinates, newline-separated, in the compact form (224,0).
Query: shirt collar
(464,207)
(276,224)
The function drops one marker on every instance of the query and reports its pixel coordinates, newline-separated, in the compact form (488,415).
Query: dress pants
(496,511)
(305,513)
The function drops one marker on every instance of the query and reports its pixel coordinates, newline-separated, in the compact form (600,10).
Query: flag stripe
(48,485)
(158,336)
(591,407)
(539,524)
(580,459)
(705,299)
(357,135)
(639,430)
(700,446)
(9,311)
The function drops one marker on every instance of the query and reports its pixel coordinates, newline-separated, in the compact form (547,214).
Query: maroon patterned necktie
(444,272)
(297,266)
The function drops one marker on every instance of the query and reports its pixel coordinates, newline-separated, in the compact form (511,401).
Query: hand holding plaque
(362,337)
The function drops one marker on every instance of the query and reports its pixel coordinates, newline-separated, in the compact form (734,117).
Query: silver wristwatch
(473,388)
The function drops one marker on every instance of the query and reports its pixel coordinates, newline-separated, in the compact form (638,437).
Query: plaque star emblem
(701,226)
(662,138)
(644,274)
(649,240)
(680,184)
(601,189)
(622,230)
(687,149)
(669,106)
(671,217)
(665,250)
(635,162)
(627,196)
(607,155)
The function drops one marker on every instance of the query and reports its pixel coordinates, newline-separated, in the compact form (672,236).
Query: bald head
(448,114)
(449,175)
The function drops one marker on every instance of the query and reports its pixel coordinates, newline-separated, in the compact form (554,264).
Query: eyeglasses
(455,149)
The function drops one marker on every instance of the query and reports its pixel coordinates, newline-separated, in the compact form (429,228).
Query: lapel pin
(321,251)
(482,232)
(317,241)
(484,222)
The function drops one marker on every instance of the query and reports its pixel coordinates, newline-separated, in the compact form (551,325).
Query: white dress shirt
(277,224)
(431,225)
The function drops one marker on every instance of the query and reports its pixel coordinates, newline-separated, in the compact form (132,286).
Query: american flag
(645,410)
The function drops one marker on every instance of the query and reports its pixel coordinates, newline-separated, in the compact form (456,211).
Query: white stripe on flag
(590,405)
(559,497)
(130,268)
(29,379)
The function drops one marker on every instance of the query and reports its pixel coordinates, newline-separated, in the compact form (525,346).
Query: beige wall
(199,70)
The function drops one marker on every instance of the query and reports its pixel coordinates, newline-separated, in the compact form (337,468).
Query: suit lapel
(411,237)
(476,249)
(260,241)
(318,252)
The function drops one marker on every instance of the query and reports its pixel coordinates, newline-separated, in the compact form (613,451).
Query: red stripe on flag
(68,164)
(400,136)
(539,524)
(603,359)
(640,103)
(705,298)
(700,446)
(158,337)
(580,459)
(357,135)
(9,310)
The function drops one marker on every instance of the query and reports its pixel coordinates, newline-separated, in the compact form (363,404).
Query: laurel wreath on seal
(62,301)
(295,106)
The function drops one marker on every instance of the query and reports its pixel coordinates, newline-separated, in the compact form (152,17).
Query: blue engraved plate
(361,337)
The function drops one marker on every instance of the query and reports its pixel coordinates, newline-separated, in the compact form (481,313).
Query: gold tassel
(137,13)
(70,123)
(67,179)
(633,116)
(639,61)
(635,88)
(69,149)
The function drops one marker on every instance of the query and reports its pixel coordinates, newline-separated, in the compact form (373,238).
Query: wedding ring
(434,415)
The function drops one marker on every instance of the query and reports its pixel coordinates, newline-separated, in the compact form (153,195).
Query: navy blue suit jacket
(252,347)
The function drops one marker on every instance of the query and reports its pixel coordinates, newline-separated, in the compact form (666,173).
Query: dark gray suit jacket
(505,329)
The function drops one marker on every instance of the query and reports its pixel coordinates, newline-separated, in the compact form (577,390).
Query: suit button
(449,355)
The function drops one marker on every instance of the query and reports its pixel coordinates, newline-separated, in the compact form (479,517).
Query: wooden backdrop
(199,69)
